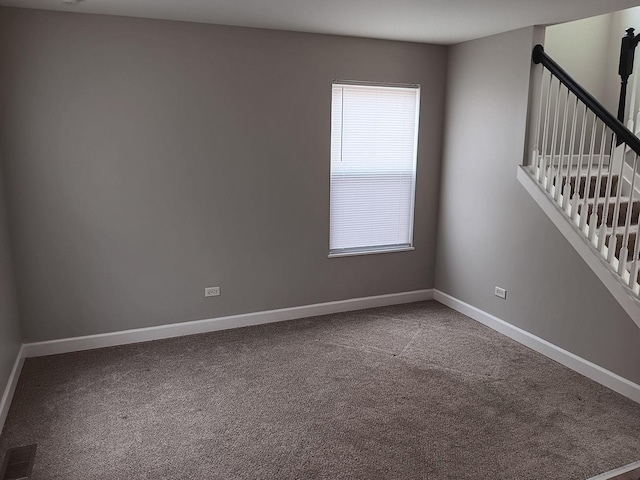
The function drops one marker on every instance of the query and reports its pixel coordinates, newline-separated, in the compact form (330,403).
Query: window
(374,139)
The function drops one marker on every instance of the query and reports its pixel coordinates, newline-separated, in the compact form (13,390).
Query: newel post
(625,69)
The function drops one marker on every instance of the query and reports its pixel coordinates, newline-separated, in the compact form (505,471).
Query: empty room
(285,239)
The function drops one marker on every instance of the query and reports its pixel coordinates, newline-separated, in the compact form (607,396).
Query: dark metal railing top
(622,133)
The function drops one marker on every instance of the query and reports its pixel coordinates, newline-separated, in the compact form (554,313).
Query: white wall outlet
(212,291)
(501,292)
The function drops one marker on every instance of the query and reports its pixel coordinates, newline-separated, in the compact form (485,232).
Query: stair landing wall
(491,232)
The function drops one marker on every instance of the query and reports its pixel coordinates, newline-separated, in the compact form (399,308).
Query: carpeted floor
(408,392)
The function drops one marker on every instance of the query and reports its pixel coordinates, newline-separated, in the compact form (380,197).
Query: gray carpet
(408,392)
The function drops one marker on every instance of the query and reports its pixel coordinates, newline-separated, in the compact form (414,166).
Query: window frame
(375,250)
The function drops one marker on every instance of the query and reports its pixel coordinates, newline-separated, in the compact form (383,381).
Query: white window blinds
(373,164)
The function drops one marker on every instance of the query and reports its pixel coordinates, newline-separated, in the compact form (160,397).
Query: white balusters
(593,222)
(554,137)
(633,274)
(566,188)
(618,188)
(624,252)
(584,213)
(537,150)
(545,132)
(563,138)
(576,195)
(577,162)
(605,207)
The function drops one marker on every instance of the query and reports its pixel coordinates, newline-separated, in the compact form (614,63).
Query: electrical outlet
(501,292)
(212,291)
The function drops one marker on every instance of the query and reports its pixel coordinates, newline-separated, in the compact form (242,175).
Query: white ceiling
(431,21)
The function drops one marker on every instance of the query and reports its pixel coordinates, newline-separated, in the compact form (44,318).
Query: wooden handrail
(622,133)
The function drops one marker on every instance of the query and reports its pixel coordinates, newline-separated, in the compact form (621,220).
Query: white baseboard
(615,473)
(588,369)
(90,342)
(12,383)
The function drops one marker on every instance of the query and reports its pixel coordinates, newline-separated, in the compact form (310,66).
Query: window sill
(370,252)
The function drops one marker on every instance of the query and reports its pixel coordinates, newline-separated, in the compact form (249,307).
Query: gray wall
(582,48)
(491,232)
(9,326)
(148,159)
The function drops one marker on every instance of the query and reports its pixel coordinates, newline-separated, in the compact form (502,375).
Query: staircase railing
(586,161)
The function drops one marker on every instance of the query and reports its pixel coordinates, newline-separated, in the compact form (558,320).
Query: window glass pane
(373,162)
